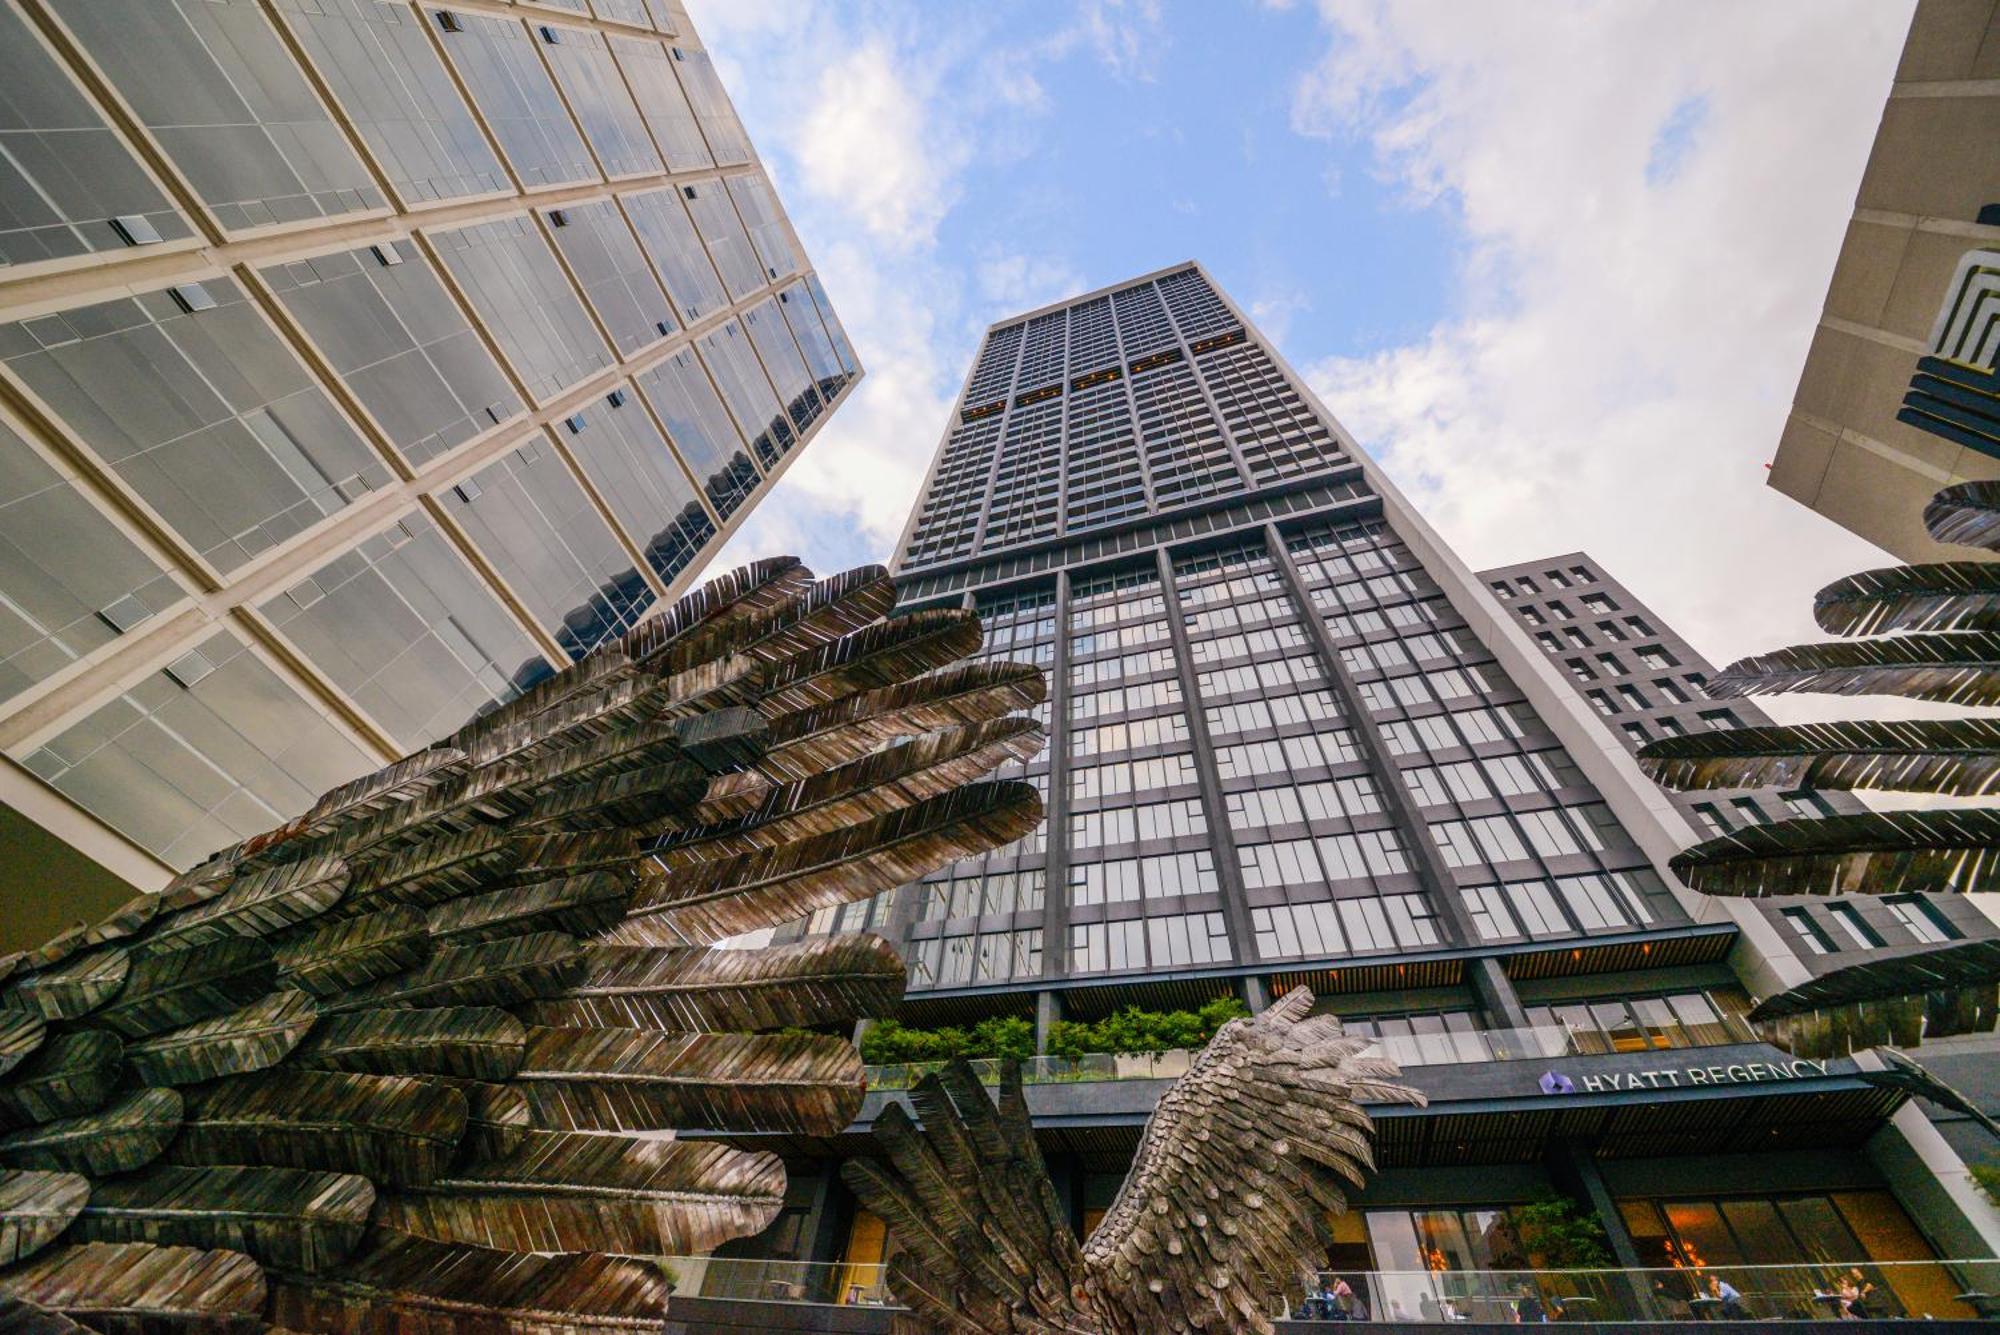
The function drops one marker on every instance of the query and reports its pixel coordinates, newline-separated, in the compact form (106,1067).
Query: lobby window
(1811,937)
(1922,919)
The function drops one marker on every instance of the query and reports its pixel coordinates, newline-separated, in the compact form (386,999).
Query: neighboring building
(1646,682)
(359,363)
(1296,742)
(1899,395)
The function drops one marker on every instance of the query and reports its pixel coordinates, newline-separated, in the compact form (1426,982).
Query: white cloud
(868,147)
(1626,348)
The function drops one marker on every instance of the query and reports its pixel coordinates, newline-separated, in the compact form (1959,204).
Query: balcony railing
(1407,1050)
(1957,1290)
(1960,1290)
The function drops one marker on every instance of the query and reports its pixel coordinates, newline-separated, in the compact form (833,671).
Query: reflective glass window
(400,343)
(780,354)
(64,174)
(624,11)
(627,460)
(649,70)
(521,293)
(681,393)
(734,364)
(196,402)
(769,235)
(69,580)
(722,231)
(676,251)
(385,74)
(497,60)
(616,279)
(210,751)
(401,623)
(589,78)
(719,124)
(800,313)
(832,322)
(532,520)
(213,82)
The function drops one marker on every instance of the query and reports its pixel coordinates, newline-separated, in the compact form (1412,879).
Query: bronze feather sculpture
(429,1057)
(1227,1203)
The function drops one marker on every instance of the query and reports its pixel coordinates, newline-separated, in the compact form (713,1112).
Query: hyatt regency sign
(1743,1073)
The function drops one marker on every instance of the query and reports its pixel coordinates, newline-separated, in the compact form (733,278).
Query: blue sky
(1556,265)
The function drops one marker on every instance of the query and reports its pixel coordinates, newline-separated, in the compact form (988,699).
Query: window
(1922,918)
(1502,592)
(1810,936)
(1631,696)
(1557,579)
(1599,603)
(1610,631)
(1718,719)
(1601,703)
(1672,727)
(1805,804)
(1710,820)
(1751,813)
(1656,658)
(1848,918)
(1671,689)
(1583,574)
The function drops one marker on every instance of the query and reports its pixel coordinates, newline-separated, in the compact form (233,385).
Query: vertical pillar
(1255,994)
(1055,822)
(1494,991)
(1048,1009)
(1572,1166)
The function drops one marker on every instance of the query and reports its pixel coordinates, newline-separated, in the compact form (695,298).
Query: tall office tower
(1646,682)
(1900,392)
(359,362)
(1296,742)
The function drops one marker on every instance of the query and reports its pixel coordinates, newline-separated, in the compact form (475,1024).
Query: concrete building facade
(1899,395)
(359,363)
(1295,741)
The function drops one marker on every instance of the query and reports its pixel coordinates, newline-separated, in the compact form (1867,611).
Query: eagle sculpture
(437,1055)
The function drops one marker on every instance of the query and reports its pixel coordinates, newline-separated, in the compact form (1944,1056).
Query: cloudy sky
(1555,265)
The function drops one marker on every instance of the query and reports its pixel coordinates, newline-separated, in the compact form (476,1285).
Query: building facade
(1645,681)
(1294,741)
(1899,394)
(359,363)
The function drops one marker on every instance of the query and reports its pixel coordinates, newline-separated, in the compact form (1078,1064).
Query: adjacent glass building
(360,362)
(1294,741)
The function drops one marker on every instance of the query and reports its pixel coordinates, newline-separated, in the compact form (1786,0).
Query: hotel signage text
(1743,1073)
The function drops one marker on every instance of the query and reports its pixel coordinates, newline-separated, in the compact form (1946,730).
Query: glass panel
(583,65)
(676,251)
(400,343)
(832,321)
(628,461)
(204,412)
(759,210)
(715,218)
(781,359)
(538,528)
(821,359)
(402,624)
(1759,1233)
(711,106)
(497,60)
(615,276)
(64,175)
(388,80)
(520,292)
(71,580)
(213,82)
(681,393)
(649,70)
(1701,1234)
(737,373)
(211,751)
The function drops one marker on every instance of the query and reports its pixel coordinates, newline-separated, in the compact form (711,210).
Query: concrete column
(1048,1009)
(1494,991)
(1933,1184)
(1255,994)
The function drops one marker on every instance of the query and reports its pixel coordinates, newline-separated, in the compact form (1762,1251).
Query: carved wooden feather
(1956,756)
(73,1073)
(1874,853)
(331,958)
(643,1080)
(1966,513)
(126,1136)
(283,1217)
(249,1038)
(139,1287)
(1959,667)
(1956,595)
(21,1032)
(880,655)
(578,906)
(476,1042)
(831,980)
(390,1129)
(809,741)
(1895,998)
(258,903)
(74,986)
(35,1207)
(172,989)
(559,1192)
(489,973)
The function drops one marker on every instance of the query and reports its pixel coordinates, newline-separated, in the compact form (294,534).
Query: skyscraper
(359,362)
(1294,741)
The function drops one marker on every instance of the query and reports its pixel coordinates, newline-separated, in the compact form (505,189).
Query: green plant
(1136,1030)
(1556,1234)
(888,1043)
